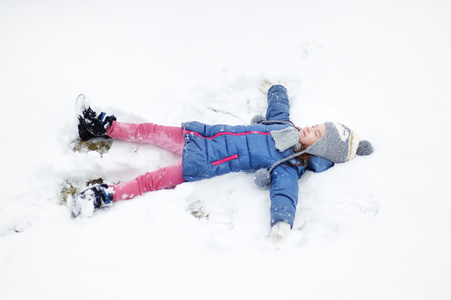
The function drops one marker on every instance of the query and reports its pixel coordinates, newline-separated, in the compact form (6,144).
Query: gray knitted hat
(339,144)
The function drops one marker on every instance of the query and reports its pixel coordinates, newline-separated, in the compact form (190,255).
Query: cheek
(308,141)
(313,139)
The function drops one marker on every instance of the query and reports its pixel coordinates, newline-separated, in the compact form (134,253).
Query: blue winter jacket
(212,150)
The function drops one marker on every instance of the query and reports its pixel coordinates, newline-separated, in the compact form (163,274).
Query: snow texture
(373,228)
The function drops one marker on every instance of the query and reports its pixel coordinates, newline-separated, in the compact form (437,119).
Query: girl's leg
(163,178)
(167,137)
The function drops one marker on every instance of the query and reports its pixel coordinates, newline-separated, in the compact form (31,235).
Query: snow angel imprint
(278,152)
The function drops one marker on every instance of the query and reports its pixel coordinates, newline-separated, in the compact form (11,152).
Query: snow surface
(374,228)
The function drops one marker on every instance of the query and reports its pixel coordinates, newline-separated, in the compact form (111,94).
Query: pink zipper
(227,133)
(218,162)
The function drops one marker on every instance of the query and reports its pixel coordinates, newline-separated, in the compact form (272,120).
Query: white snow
(374,228)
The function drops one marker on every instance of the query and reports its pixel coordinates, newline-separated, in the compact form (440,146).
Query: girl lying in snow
(272,147)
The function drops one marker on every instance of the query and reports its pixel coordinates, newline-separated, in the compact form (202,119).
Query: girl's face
(309,135)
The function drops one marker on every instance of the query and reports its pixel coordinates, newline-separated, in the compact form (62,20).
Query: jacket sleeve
(284,194)
(278,104)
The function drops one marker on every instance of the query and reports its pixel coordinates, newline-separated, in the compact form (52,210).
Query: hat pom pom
(262,178)
(257,119)
(365,148)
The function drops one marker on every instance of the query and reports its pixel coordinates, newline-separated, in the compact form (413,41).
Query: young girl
(272,147)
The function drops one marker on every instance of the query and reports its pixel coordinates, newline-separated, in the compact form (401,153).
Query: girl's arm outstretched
(278,104)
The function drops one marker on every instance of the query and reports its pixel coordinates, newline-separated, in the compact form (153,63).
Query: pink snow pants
(169,138)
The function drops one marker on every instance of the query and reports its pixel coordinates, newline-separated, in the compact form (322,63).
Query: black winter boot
(90,125)
(85,202)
